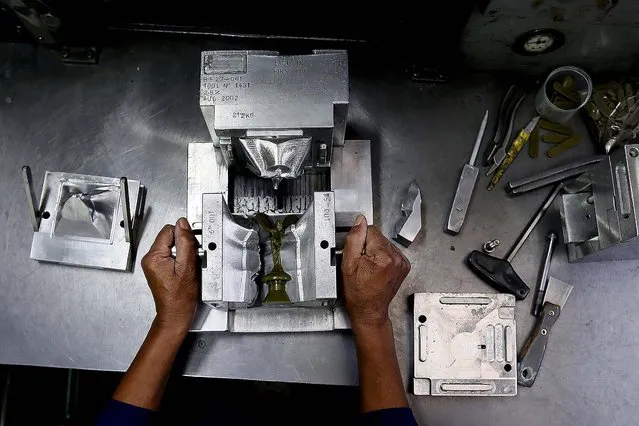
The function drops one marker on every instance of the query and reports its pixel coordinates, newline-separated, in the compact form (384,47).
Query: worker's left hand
(175,283)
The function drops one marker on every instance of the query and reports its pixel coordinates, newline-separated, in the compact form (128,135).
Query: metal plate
(578,218)
(465,344)
(352,182)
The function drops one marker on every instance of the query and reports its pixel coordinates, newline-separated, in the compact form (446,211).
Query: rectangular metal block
(465,344)
(212,243)
(324,236)
(281,320)
(242,90)
(207,173)
(351,181)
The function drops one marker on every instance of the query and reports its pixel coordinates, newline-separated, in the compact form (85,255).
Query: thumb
(185,245)
(355,242)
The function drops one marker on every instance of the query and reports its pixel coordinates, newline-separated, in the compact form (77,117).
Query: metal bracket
(81,55)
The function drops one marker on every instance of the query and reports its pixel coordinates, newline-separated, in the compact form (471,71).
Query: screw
(634,152)
(89,54)
(201,343)
(551,313)
(544,332)
(489,246)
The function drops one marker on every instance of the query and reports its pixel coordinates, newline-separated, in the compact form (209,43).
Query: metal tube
(551,241)
(535,220)
(552,175)
(27,180)
(126,209)
(559,177)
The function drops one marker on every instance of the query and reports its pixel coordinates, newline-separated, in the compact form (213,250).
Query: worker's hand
(175,283)
(373,269)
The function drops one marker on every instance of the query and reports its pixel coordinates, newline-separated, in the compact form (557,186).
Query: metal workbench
(134,114)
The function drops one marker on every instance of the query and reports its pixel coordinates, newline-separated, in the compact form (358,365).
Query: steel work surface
(134,114)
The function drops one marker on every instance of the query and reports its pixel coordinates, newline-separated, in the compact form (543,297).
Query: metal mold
(274,189)
(465,344)
(600,221)
(232,299)
(232,256)
(275,114)
(85,220)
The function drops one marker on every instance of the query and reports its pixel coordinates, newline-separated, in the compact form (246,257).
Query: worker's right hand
(175,283)
(373,269)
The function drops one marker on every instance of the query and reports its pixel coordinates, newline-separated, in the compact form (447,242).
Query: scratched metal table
(134,115)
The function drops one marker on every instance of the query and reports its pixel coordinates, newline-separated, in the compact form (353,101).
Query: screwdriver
(499,273)
(465,186)
(513,151)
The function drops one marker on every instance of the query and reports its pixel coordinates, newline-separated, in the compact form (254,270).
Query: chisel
(532,353)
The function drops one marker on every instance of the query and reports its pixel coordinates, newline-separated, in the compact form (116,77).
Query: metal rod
(480,136)
(535,220)
(552,175)
(126,209)
(551,241)
(34,215)
(559,177)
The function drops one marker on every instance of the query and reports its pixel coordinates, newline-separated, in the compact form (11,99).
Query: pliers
(496,151)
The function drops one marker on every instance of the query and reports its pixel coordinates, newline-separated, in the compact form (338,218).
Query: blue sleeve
(389,416)
(122,414)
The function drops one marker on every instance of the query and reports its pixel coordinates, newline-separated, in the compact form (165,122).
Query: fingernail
(184,224)
(359,220)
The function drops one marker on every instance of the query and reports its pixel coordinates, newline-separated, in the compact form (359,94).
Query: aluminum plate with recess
(82,222)
(465,344)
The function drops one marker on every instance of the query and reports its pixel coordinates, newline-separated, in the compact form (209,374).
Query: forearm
(379,376)
(144,382)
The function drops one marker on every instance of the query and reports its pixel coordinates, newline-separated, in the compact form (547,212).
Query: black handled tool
(499,273)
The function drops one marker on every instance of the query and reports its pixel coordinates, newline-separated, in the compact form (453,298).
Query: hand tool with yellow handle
(515,148)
